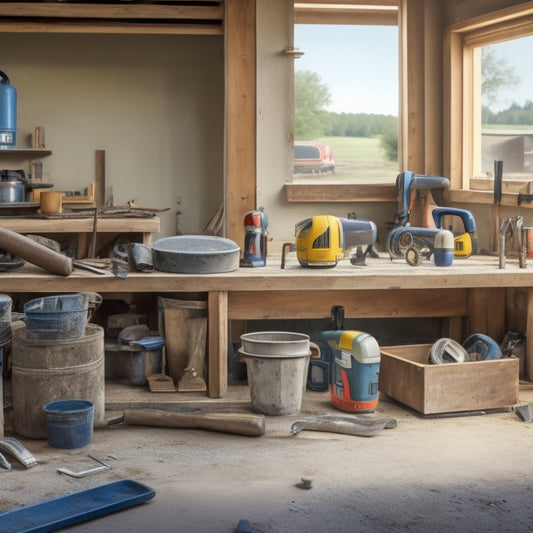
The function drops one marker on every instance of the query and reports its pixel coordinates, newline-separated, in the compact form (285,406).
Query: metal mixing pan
(195,254)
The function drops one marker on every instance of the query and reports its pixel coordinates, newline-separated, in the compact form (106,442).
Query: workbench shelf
(25,152)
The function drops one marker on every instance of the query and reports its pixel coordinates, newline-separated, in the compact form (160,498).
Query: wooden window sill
(464,196)
(346,192)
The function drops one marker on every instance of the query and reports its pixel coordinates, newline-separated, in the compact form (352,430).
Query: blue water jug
(8,113)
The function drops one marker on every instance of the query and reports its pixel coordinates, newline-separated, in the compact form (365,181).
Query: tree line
(515,115)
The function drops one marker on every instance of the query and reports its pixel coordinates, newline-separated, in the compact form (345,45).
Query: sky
(517,54)
(360,66)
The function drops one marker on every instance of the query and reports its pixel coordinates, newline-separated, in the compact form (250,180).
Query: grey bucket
(58,317)
(277,377)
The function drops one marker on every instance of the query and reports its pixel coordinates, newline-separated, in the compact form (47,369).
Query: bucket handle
(95,300)
(4,77)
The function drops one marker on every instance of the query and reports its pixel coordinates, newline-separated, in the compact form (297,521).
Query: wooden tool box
(406,376)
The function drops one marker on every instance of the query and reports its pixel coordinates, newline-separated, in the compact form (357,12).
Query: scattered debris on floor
(523,412)
(354,425)
(305,483)
(244,526)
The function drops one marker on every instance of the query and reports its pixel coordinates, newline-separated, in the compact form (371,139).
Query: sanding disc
(447,351)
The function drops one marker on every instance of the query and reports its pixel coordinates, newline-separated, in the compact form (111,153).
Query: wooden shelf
(25,152)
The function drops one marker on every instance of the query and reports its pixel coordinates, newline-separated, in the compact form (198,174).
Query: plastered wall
(154,103)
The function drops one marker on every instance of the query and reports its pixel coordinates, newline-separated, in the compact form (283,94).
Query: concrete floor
(460,473)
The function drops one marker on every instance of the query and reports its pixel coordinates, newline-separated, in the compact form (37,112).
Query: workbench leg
(217,304)
(529,334)
(486,312)
(83,245)
(147,238)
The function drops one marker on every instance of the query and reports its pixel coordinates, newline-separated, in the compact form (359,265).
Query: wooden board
(448,388)
(179,319)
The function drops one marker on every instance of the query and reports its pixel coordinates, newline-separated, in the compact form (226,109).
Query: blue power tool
(350,362)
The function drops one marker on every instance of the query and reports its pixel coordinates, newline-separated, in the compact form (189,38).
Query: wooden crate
(406,376)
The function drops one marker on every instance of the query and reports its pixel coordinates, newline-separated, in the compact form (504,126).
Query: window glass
(507,108)
(346,104)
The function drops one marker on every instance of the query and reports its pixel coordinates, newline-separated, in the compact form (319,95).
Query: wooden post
(99,174)
(217,373)
(241,177)
(529,334)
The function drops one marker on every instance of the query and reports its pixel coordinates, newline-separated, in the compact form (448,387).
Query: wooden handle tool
(35,252)
(248,424)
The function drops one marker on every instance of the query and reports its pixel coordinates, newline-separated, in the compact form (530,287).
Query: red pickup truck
(313,157)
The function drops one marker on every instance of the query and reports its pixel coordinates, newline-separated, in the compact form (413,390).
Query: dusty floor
(462,473)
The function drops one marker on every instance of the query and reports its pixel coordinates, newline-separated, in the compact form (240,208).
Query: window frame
(368,12)
(465,40)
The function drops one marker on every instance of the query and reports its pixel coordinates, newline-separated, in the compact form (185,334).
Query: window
(346,99)
(349,74)
(490,75)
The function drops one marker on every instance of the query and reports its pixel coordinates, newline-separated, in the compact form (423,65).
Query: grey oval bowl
(275,344)
(195,254)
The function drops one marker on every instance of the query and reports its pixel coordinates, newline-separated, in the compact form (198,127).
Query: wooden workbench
(471,295)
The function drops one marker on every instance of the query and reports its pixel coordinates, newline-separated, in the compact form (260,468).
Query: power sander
(323,240)
(417,243)
(349,361)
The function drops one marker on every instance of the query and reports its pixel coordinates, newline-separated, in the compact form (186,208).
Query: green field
(357,160)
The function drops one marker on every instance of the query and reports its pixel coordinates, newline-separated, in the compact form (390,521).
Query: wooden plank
(486,309)
(81,225)
(341,192)
(371,17)
(413,83)
(103,11)
(217,373)
(123,28)
(483,197)
(357,304)
(240,112)
(99,178)
(184,325)
(453,110)
(494,17)
(529,334)
(401,379)
(433,16)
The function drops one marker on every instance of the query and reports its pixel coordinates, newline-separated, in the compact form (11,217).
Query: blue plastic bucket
(69,423)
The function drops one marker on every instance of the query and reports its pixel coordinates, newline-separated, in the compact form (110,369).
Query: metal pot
(12,191)
(195,254)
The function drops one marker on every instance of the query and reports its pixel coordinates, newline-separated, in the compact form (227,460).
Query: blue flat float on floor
(74,508)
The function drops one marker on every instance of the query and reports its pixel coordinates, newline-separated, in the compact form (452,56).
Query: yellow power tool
(323,240)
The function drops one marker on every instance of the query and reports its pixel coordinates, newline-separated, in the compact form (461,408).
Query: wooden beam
(412,84)
(529,334)
(117,11)
(240,112)
(341,193)
(494,17)
(114,27)
(357,304)
(217,350)
(433,15)
(364,3)
(326,16)
(453,110)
